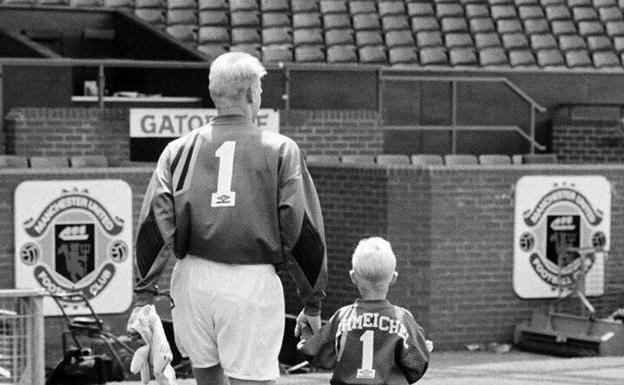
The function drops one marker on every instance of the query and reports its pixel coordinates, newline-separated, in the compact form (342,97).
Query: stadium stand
(13,161)
(427,159)
(79,161)
(392,159)
(494,159)
(48,161)
(539,158)
(460,159)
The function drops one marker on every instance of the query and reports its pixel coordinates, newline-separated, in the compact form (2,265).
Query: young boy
(370,341)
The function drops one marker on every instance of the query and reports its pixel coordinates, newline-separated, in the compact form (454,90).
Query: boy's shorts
(232,315)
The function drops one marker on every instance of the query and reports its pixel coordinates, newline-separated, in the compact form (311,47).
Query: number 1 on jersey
(224,196)
(368,341)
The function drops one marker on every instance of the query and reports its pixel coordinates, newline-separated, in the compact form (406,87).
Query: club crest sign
(555,216)
(75,236)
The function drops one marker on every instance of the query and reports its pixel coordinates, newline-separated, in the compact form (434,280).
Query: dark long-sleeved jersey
(232,193)
(368,342)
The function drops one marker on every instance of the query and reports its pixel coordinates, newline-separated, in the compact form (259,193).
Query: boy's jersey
(232,193)
(367,342)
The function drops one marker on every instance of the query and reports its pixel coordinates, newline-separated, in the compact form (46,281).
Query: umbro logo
(223,199)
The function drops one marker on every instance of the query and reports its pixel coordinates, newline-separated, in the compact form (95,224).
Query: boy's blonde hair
(374,260)
(232,73)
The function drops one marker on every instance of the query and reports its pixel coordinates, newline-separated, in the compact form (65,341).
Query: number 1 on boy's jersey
(368,340)
(224,196)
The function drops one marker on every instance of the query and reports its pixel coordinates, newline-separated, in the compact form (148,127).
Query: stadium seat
(599,43)
(306,20)
(584,14)
(453,40)
(138,4)
(494,159)
(557,12)
(373,54)
(217,18)
(309,54)
(364,38)
(277,54)
(13,161)
(341,54)
(460,159)
(212,50)
(274,6)
(420,9)
(481,24)
(486,40)
(251,49)
(120,5)
(366,21)
(339,37)
(214,35)
(322,159)
(533,26)
(402,55)
(579,3)
(79,161)
(85,3)
(454,24)
(449,10)
(433,56)
(424,23)
(301,6)
(462,56)
(336,21)
(543,41)
(605,3)
(429,39)
(333,6)
(150,15)
(48,161)
(512,41)
(182,4)
(493,56)
(356,7)
(528,12)
(571,43)
(516,159)
(477,10)
(509,26)
(399,38)
(387,8)
(394,22)
(312,36)
(550,58)
(578,59)
(588,28)
(500,12)
(243,5)
(605,59)
(186,33)
(563,27)
(539,158)
(427,159)
(18,2)
(278,36)
(615,28)
(212,5)
(242,19)
(182,16)
(522,58)
(610,14)
(618,44)
(392,159)
(245,36)
(358,159)
(273,20)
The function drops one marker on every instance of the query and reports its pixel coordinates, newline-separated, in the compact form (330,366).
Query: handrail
(465,79)
(112,63)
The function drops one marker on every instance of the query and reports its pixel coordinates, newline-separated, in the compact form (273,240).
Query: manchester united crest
(555,218)
(75,236)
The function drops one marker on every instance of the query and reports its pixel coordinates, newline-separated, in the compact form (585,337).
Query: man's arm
(156,231)
(303,235)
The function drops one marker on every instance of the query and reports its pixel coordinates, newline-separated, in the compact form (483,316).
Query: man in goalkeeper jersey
(232,202)
(371,341)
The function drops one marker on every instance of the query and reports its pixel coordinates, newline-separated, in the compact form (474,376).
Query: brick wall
(87,131)
(589,134)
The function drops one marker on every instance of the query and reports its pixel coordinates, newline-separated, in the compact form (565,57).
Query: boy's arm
(414,353)
(320,345)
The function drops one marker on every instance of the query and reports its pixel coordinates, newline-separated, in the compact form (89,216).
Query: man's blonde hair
(373,259)
(232,73)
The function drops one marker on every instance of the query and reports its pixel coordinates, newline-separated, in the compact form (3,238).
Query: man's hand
(304,320)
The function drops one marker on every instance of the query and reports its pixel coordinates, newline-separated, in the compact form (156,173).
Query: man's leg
(210,376)
(234,381)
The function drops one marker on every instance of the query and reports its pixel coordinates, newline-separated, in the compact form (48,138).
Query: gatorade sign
(175,122)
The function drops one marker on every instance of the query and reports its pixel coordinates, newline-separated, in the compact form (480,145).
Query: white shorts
(232,315)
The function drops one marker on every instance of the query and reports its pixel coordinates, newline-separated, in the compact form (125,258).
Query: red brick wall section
(67,132)
(589,135)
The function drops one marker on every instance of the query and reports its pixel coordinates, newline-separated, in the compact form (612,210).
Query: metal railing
(454,127)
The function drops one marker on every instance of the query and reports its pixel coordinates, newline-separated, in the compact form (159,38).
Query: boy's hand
(429,344)
(311,321)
